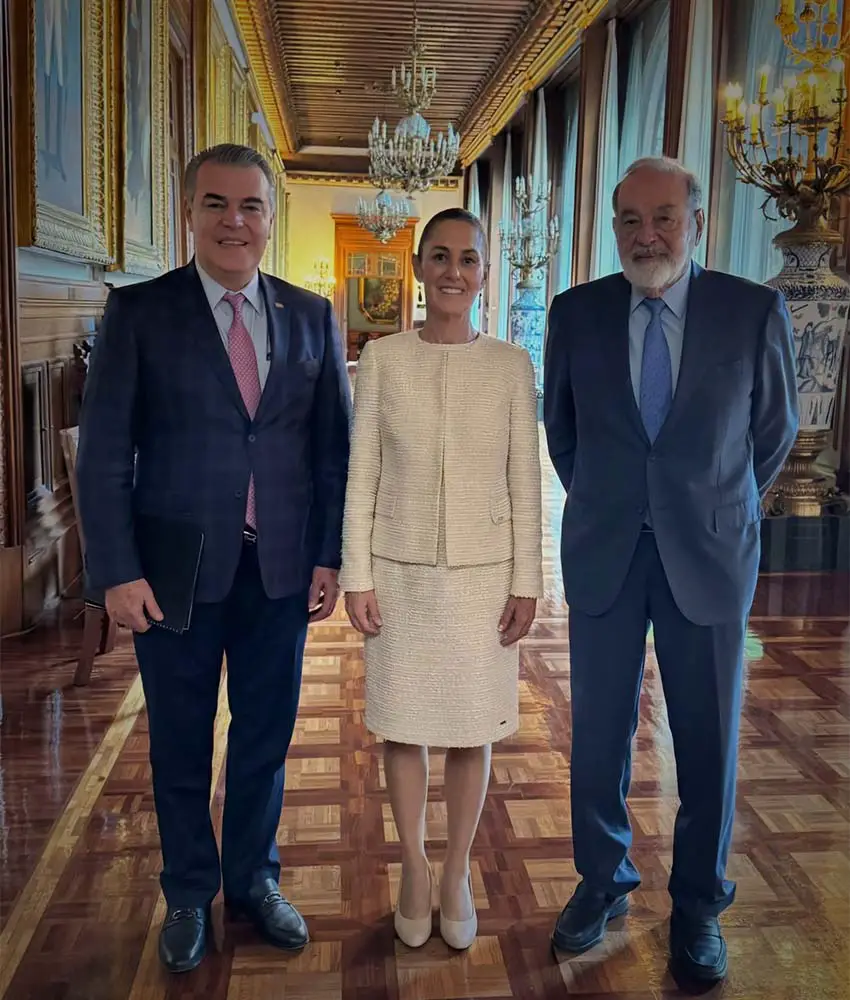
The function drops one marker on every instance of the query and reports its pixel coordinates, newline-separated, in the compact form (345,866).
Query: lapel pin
(278,305)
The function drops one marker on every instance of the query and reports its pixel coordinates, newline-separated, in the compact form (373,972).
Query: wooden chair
(98,628)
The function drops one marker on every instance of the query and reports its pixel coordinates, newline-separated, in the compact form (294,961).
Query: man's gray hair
(666,165)
(228,154)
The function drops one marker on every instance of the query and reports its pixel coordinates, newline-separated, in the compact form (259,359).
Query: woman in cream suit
(442,559)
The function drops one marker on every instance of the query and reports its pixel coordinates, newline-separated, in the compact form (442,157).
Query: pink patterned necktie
(243,358)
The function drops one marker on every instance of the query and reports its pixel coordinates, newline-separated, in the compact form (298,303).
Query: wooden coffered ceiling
(324,66)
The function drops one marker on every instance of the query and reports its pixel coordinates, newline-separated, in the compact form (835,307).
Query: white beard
(652,272)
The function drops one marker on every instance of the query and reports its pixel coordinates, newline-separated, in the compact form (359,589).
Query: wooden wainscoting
(57,320)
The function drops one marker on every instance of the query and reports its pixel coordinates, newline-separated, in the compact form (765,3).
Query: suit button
(252,438)
(652,458)
(238,494)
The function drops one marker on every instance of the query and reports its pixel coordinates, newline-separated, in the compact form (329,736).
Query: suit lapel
(697,345)
(622,304)
(201,323)
(278,317)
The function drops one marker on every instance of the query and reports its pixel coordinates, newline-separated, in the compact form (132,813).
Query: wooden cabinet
(374,283)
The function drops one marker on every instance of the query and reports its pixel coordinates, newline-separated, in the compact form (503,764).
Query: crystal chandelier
(410,158)
(383,217)
(791,144)
(321,281)
(529,242)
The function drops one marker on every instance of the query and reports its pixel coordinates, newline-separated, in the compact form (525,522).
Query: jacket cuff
(527,585)
(354,581)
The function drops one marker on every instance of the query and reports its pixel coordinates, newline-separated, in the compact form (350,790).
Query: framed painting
(379,300)
(63,147)
(144,151)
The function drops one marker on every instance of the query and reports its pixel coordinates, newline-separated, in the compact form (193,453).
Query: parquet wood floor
(79,899)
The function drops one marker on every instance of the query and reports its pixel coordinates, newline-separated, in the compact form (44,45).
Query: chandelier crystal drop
(411,159)
(384,216)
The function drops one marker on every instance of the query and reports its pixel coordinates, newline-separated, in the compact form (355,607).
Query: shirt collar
(675,298)
(216,292)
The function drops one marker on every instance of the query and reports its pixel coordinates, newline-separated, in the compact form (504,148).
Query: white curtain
(540,169)
(744,235)
(564,264)
(603,257)
(643,116)
(473,205)
(632,117)
(699,105)
(540,149)
(504,300)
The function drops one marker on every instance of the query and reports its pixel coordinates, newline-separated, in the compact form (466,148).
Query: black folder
(170,556)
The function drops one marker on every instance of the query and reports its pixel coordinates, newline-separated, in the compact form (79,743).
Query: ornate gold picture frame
(143,158)
(64,177)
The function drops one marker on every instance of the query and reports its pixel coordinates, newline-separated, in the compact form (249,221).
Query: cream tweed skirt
(437,675)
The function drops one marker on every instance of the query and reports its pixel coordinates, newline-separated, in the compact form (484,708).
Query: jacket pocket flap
(737,515)
(385,504)
(500,506)
(308,368)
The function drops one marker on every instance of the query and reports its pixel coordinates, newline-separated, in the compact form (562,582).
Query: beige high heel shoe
(460,934)
(415,931)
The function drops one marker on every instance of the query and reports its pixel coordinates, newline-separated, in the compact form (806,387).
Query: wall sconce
(321,281)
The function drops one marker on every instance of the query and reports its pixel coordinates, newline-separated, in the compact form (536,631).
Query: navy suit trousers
(263,641)
(701,670)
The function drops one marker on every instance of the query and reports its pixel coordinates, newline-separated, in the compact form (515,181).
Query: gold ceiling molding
(269,69)
(356,180)
(550,32)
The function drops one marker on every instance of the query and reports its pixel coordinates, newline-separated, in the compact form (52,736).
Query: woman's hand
(362,610)
(516,619)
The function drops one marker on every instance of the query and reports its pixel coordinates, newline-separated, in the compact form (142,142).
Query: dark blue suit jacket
(731,425)
(163,430)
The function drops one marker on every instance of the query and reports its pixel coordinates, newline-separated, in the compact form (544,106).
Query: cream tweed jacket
(465,414)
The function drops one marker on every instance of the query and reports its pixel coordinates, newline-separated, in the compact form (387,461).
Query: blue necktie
(656,374)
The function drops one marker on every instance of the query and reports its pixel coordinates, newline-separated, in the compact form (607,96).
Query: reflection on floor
(79,902)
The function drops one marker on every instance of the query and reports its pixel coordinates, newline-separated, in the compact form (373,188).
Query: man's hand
(126,605)
(324,591)
(516,619)
(363,613)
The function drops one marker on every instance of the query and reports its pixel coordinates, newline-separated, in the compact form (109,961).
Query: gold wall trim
(269,69)
(148,259)
(552,30)
(355,180)
(88,236)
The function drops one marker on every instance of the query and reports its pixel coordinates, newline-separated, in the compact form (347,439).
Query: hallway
(79,901)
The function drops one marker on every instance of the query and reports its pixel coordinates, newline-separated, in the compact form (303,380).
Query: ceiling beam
(269,68)
(552,29)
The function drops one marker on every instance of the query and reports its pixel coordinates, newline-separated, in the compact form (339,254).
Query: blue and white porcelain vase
(528,325)
(818,300)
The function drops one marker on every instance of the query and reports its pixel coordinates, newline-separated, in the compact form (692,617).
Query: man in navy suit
(218,395)
(670,407)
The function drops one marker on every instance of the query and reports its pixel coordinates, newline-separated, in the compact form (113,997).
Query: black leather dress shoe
(183,938)
(584,920)
(697,951)
(273,916)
